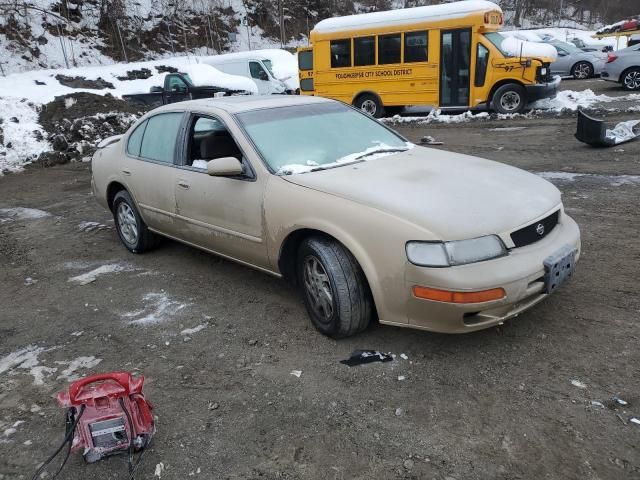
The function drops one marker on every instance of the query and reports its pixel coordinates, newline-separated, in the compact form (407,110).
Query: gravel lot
(532,399)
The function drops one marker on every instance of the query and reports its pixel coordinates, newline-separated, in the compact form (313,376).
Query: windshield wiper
(382,150)
(335,165)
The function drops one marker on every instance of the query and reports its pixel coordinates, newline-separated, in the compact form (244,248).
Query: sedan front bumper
(520,274)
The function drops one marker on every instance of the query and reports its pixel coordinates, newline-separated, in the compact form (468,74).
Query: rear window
(159,140)
(305,60)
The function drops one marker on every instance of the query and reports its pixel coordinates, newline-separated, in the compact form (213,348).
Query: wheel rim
(370,107)
(582,71)
(127,223)
(318,287)
(632,80)
(510,101)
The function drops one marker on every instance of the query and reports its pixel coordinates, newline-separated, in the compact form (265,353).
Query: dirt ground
(532,399)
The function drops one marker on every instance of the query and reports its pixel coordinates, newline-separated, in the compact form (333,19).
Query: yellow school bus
(447,56)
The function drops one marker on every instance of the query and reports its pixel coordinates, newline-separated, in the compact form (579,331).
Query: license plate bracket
(558,268)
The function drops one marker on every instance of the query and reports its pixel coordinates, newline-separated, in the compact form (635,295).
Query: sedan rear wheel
(631,79)
(336,293)
(132,230)
(582,71)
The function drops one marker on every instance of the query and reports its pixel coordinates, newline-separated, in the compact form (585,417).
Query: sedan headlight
(462,252)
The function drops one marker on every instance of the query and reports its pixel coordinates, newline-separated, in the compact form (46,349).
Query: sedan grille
(536,231)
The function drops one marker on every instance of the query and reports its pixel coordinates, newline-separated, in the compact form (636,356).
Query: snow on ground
(70,374)
(573,100)
(158,308)
(191,331)
(93,275)
(21,213)
(566,35)
(613,180)
(19,122)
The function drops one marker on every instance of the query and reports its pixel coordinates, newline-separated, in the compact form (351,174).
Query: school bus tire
(509,98)
(369,104)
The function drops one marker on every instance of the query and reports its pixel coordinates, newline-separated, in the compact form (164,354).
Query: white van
(257,69)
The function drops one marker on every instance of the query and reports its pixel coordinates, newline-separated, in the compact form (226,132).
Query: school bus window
(415,47)
(482,62)
(389,49)
(305,60)
(340,53)
(364,51)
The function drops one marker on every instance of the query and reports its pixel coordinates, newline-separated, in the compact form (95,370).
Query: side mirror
(224,167)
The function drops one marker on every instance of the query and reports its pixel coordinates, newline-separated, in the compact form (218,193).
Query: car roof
(244,103)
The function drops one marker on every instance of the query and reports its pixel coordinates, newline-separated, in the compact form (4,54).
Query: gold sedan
(364,222)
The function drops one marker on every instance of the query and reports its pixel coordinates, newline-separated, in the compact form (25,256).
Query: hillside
(70,33)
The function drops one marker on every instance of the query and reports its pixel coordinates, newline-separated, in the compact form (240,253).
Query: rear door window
(135,140)
(305,60)
(159,140)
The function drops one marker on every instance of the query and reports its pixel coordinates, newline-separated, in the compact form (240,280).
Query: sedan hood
(453,196)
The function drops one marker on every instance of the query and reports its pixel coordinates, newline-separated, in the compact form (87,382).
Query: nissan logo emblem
(540,229)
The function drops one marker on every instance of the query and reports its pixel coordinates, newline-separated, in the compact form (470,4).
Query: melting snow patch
(27,359)
(191,331)
(613,180)
(92,226)
(21,213)
(578,383)
(159,307)
(93,275)
(296,373)
(76,364)
(572,100)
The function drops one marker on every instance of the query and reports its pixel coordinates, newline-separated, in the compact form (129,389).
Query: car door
(221,214)
(149,169)
(260,77)
(562,65)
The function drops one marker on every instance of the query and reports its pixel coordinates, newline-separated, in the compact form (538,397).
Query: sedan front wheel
(336,294)
(631,79)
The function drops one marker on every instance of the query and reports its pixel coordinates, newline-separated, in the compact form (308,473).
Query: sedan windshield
(305,138)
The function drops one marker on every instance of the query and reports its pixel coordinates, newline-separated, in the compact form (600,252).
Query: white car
(256,68)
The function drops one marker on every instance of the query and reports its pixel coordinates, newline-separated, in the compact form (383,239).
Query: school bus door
(455,67)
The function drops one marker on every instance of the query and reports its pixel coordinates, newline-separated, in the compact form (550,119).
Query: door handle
(126,172)
(184,185)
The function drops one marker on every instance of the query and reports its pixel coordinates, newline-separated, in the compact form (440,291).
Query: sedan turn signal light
(458,297)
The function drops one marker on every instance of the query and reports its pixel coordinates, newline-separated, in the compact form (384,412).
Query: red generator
(111,415)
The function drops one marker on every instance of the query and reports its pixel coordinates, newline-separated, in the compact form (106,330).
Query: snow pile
(158,308)
(21,138)
(21,213)
(405,15)
(436,116)
(205,75)
(515,47)
(572,100)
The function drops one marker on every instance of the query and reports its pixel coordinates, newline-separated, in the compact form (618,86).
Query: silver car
(576,63)
(623,67)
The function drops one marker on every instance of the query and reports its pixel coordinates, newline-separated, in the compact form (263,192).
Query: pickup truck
(178,87)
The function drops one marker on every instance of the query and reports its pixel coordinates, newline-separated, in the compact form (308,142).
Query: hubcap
(632,80)
(583,71)
(370,107)
(316,282)
(127,223)
(510,101)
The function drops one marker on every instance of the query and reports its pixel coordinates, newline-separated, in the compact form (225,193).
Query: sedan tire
(631,79)
(335,291)
(582,71)
(132,230)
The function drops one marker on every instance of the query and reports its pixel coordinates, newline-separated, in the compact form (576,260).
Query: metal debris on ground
(361,357)
(429,140)
(619,401)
